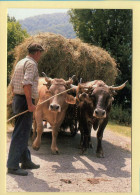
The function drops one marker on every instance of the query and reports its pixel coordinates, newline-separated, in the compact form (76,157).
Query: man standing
(24,86)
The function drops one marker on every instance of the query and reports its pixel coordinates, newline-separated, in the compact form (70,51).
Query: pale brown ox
(53,111)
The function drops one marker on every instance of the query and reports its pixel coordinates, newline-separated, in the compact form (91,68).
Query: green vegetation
(110,29)
(15,36)
(120,115)
(121,129)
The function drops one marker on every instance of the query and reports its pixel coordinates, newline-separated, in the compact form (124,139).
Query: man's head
(35,50)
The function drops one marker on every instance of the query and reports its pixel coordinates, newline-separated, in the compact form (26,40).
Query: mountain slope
(56,23)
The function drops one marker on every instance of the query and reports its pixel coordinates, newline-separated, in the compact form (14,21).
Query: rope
(38,104)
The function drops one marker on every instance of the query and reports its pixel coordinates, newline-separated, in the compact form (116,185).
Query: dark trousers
(19,152)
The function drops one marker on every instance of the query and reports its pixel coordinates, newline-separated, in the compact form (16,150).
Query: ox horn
(73,76)
(44,74)
(74,87)
(47,79)
(70,81)
(119,87)
(80,80)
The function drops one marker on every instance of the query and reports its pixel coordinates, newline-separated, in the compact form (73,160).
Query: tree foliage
(111,30)
(15,35)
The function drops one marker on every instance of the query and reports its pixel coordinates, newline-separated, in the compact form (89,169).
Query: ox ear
(73,88)
(47,84)
(70,99)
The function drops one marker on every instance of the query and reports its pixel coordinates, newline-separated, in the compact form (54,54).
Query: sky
(23,13)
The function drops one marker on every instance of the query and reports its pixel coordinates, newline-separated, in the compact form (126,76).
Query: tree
(15,35)
(111,30)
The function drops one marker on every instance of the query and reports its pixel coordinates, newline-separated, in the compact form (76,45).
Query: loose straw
(38,104)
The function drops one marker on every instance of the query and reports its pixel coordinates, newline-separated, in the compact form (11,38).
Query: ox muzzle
(55,107)
(99,113)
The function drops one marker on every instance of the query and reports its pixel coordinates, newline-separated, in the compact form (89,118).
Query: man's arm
(27,91)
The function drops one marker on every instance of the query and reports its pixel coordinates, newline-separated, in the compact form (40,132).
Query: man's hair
(32,52)
(34,47)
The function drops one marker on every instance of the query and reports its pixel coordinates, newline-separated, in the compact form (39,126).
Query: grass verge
(121,129)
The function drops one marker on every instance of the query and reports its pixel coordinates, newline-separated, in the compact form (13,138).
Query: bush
(120,115)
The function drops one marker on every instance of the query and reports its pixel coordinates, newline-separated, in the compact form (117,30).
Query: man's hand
(27,91)
(31,108)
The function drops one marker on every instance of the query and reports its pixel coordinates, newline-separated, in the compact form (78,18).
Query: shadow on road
(113,165)
(39,185)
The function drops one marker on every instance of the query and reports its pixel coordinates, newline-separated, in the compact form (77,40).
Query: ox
(53,111)
(95,100)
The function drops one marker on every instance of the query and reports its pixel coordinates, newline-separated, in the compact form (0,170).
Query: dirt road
(72,172)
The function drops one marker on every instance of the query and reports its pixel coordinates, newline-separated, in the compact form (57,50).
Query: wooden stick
(17,115)
(38,104)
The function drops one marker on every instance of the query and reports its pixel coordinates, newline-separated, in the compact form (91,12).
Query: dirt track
(71,172)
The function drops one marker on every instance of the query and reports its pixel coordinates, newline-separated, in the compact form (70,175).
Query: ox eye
(108,100)
(93,97)
(48,92)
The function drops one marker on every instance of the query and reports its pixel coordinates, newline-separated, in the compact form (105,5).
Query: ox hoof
(55,152)
(99,155)
(90,145)
(35,147)
(83,151)
(79,146)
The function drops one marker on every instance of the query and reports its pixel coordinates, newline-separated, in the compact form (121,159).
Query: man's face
(38,55)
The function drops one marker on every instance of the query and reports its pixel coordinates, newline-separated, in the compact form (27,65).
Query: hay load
(66,57)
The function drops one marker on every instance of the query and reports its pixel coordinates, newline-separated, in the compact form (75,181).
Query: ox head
(56,86)
(98,95)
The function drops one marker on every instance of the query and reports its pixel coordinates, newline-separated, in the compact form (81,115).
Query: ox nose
(54,107)
(99,113)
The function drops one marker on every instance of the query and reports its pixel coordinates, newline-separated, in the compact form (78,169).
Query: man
(24,86)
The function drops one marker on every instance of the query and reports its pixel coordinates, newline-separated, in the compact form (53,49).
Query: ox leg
(86,136)
(37,141)
(90,142)
(34,130)
(85,129)
(54,138)
(99,151)
(81,138)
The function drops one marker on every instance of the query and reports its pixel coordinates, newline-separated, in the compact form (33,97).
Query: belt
(19,95)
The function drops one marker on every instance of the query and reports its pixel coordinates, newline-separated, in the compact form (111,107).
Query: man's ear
(70,99)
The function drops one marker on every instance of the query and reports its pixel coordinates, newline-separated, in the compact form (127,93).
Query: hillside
(56,23)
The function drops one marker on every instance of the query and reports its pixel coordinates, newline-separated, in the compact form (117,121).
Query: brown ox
(95,100)
(53,111)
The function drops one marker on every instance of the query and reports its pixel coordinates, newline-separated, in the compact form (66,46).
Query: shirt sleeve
(11,82)
(30,69)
